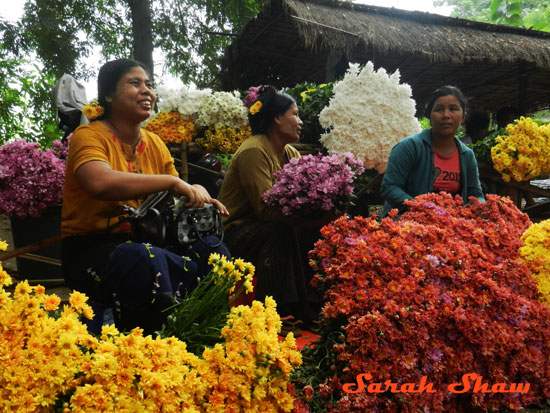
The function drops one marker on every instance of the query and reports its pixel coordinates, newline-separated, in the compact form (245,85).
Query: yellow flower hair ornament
(255,108)
(93,110)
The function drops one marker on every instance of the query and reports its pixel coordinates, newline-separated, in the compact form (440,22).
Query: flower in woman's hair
(253,93)
(93,110)
(255,108)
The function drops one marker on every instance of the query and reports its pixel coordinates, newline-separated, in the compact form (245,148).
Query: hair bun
(267,95)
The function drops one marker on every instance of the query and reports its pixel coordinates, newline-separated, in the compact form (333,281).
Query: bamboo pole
(184,173)
(30,248)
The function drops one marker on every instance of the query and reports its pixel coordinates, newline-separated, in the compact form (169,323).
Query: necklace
(119,135)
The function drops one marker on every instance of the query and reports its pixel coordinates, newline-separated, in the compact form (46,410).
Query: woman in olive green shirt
(276,244)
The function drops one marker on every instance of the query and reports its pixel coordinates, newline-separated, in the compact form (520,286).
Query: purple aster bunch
(253,93)
(314,183)
(31,179)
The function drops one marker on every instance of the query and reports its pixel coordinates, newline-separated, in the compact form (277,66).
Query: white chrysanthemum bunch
(222,109)
(185,101)
(369,112)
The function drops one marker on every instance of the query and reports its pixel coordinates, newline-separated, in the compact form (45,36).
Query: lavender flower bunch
(314,183)
(252,95)
(31,180)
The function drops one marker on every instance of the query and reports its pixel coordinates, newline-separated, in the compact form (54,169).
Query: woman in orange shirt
(114,162)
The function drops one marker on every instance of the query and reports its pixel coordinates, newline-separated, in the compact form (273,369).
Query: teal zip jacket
(410,171)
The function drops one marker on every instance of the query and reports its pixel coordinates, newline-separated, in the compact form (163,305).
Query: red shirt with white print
(447,172)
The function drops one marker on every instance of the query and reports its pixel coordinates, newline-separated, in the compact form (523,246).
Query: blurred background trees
(60,36)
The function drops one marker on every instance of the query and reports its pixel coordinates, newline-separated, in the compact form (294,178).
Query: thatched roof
(293,41)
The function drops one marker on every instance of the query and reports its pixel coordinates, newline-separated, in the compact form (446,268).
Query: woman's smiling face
(134,95)
(446,116)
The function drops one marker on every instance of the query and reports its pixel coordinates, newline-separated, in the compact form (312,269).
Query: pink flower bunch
(31,179)
(314,183)
(441,292)
(253,93)
(61,147)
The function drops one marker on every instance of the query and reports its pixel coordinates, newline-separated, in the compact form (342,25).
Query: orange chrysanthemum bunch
(50,362)
(172,127)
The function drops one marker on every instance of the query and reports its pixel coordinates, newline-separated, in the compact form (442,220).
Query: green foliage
(424,123)
(506,12)
(193,34)
(482,148)
(200,315)
(534,14)
(477,10)
(27,109)
(62,33)
(311,99)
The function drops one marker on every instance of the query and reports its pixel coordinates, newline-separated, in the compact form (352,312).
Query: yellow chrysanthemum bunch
(40,355)
(523,153)
(536,253)
(93,110)
(172,127)
(238,269)
(48,359)
(136,373)
(223,139)
(250,372)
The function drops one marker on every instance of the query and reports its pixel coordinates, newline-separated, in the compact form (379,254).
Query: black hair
(446,91)
(273,104)
(109,76)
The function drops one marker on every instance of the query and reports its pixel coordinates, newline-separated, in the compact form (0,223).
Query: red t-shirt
(447,172)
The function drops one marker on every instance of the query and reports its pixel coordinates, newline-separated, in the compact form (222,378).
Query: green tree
(26,104)
(190,33)
(528,13)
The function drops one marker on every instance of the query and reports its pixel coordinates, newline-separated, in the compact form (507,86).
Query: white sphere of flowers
(368,114)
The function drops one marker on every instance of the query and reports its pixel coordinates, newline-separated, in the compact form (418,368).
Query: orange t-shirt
(83,214)
(447,172)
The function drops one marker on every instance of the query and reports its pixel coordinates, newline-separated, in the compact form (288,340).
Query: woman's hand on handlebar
(197,196)
(203,193)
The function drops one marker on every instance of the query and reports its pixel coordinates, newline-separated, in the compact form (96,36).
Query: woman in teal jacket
(433,160)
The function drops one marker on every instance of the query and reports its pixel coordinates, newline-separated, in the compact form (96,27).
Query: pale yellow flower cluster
(224,139)
(172,127)
(49,359)
(523,153)
(237,268)
(536,254)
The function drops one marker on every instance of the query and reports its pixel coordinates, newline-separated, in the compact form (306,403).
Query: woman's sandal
(313,326)
(290,325)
